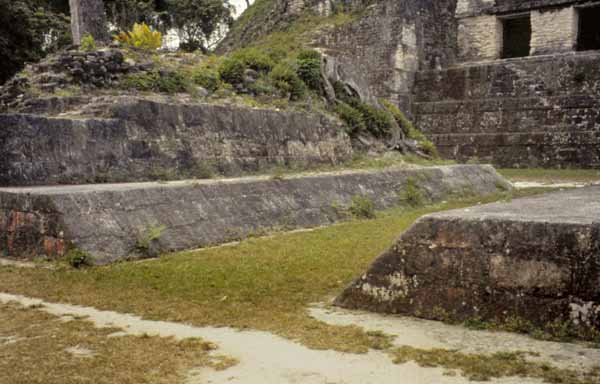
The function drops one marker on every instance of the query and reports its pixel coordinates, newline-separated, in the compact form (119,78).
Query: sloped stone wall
(129,139)
(542,112)
(107,221)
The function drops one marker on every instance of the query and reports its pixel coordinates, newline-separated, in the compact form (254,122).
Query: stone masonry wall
(394,39)
(127,139)
(542,111)
(107,220)
(553,30)
(479,38)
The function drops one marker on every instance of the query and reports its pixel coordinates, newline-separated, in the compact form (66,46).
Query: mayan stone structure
(515,83)
(524,88)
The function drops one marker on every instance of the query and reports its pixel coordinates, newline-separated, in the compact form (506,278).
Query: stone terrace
(535,258)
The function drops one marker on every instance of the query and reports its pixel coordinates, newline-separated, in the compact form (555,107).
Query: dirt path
(265,358)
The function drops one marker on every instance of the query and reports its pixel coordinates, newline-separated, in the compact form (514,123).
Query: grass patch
(39,354)
(551,175)
(261,283)
(485,367)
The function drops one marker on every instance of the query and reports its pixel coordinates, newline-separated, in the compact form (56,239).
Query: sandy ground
(265,358)
(536,184)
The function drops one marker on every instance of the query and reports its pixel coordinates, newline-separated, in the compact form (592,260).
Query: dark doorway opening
(516,36)
(588,37)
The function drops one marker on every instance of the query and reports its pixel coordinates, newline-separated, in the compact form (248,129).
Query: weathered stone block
(535,258)
(128,139)
(107,220)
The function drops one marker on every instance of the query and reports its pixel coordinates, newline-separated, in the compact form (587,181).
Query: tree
(122,14)
(201,23)
(29,30)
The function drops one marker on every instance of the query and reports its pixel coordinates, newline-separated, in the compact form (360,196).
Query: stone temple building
(524,88)
(512,82)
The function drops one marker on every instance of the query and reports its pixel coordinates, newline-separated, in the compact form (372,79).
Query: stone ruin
(514,83)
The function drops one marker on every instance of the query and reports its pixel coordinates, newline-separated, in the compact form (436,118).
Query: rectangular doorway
(516,36)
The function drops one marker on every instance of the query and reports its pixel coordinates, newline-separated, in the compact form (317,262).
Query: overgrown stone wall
(394,39)
(116,139)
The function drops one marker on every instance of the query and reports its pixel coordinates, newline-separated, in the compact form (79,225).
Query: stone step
(134,220)
(534,259)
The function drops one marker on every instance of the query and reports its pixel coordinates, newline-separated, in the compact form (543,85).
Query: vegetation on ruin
(261,283)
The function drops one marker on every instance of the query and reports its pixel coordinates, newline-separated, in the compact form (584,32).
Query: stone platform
(108,220)
(535,258)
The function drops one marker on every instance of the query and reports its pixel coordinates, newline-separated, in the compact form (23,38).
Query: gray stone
(535,259)
(116,139)
(108,220)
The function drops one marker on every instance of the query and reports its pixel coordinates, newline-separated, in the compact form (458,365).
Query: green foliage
(309,68)
(377,121)
(352,117)
(88,43)
(207,78)
(166,82)
(232,70)
(362,207)
(149,235)
(255,59)
(286,80)
(200,22)
(124,13)
(78,258)
(29,30)
(409,129)
(262,86)
(411,194)
(142,37)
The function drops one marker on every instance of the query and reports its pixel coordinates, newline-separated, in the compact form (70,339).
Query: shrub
(171,82)
(409,129)
(412,194)
(207,78)
(262,86)
(142,37)
(352,117)
(377,121)
(309,68)
(167,82)
(286,79)
(362,207)
(255,59)
(88,43)
(149,235)
(78,258)
(232,70)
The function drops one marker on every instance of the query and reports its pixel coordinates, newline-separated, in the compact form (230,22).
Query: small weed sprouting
(278,173)
(148,236)
(412,195)
(78,258)
(88,44)
(362,207)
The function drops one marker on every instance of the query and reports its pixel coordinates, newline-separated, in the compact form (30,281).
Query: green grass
(551,175)
(261,283)
(485,367)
